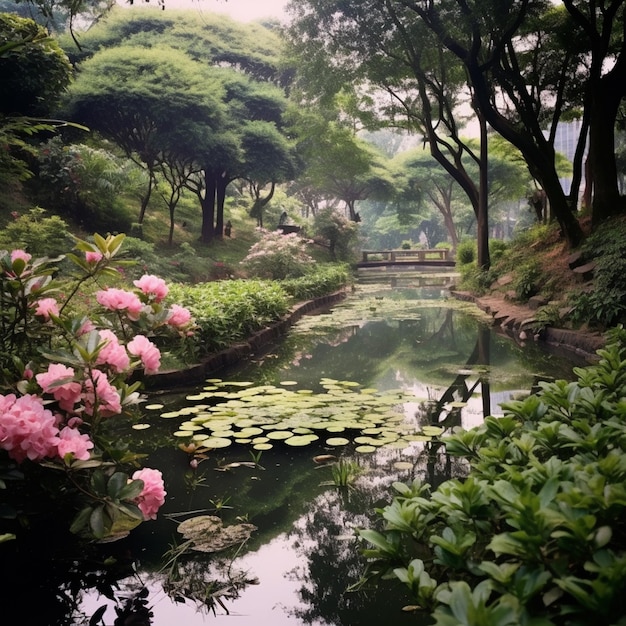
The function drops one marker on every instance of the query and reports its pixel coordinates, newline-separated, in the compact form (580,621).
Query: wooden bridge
(425,258)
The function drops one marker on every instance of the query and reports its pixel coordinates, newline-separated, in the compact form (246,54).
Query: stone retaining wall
(238,352)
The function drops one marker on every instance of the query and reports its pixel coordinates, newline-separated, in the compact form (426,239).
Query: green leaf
(131,490)
(116,484)
(96,522)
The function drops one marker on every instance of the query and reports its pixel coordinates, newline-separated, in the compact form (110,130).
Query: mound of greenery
(535,533)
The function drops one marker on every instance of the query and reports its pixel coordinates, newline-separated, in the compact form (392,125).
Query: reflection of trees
(446,410)
(330,564)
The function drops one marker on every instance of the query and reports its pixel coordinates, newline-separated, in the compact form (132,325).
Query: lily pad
(301,440)
(263,446)
(216,442)
(280,434)
(337,441)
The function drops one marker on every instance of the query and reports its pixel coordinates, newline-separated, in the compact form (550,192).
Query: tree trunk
(146,197)
(208,207)
(482,215)
(220,190)
(604,107)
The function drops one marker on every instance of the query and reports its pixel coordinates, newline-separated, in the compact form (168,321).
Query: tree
(373,44)
(33,73)
(133,95)
(489,39)
(603,26)
(268,159)
(338,163)
(232,69)
(421,169)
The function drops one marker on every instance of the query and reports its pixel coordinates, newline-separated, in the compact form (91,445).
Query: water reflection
(304,555)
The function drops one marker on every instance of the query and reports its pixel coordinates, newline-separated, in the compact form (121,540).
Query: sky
(241,10)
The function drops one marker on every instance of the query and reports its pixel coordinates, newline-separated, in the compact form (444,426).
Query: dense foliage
(65,378)
(535,533)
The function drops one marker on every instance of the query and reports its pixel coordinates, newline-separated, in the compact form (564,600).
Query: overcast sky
(242,10)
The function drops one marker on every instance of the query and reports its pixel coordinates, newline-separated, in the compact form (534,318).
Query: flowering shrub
(63,376)
(278,256)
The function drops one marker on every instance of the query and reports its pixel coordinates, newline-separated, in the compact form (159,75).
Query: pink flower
(152,496)
(47,307)
(101,396)
(152,286)
(71,441)
(113,354)
(86,327)
(179,316)
(20,254)
(120,300)
(149,354)
(59,381)
(92,257)
(27,429)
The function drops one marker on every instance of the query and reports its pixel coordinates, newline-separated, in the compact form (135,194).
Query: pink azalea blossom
(59,381)
(85,328)
(152,496)
(27,429)
(20,254)
(47,307)
(120,300)
(71,441)
(100,395)
(113,353)
(179,316)
(152,286)
(149,354)
(92,257)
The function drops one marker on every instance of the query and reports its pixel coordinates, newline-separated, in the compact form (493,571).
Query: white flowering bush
(278,256)
(63,376)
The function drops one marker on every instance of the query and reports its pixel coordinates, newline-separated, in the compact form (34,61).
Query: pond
(296,450)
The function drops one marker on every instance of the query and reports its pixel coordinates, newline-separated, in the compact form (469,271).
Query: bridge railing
(417,256)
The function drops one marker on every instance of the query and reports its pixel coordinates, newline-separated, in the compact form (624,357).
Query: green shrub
(407,244)
(527,281)
(323,280)
(227,312)
(39,235)
(466,252)
(475,279)
(534,533)
(86,184)
(605,304)
(497,248)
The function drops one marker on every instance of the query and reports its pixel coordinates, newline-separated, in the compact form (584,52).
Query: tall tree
(377,44)
(241,76)
(489,38)
(603,25)
(133,96)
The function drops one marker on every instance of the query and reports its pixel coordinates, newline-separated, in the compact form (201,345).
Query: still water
(446,367)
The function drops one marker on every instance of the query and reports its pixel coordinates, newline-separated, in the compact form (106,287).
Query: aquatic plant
(262,416)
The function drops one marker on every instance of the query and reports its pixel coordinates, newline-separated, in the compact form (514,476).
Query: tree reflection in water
(438,354)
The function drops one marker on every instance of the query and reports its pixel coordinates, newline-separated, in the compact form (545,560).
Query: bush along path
(535,534)
(240,350)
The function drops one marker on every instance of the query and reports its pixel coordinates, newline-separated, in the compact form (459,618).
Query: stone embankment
(238,352)
(520,323)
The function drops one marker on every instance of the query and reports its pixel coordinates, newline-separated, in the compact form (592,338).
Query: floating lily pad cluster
(267,415)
